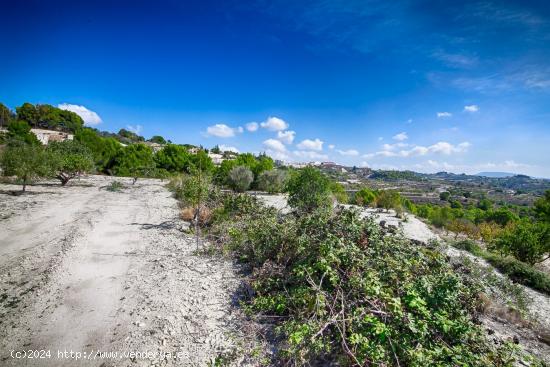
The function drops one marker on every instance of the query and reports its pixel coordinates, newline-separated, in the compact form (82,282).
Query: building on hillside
(154,146)
(194,150)
(217,159)
(47,136)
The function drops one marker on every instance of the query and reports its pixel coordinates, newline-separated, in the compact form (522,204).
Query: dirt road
(110,277)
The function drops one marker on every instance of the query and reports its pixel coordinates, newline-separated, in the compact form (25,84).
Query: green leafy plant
(115,186)
(308,190)
(365,197)
(347,293)
(240,178)
(69,159)
(272,181)
(526,240)
(26,162)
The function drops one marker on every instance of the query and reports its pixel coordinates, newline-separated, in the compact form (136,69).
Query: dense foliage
(240,178)
(45,116)
(309,189)
(516,270)
(344,291)
(134,160)
(68,159)
(272,181)
(21,131)
(25,161)
(103,149)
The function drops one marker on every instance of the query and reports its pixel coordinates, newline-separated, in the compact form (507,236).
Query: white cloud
(223,131)
(393,146)
(401,136)
(432,165)
(89,117)
(135,129)
(349,152)
(275,145)
(286,137)
(225,148)
(447,148)
(308,154)
(380,138)
(471,108)
(443,114)
(331,146)
(309,144)
(252,126)
(274,124)
(442,147)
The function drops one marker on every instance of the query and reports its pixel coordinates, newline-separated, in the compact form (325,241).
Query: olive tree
(272,181)
(309,189)
(69,159)
(525,240)
(26,162)
(240,178)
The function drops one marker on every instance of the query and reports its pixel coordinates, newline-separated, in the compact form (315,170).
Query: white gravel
(89,270)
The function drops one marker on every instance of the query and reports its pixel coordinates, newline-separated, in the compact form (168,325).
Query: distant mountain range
(496,174)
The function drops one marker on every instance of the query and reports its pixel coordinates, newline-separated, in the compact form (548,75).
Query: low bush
(115,186)
(527,241)
(272,181)
(347,293)
(308,190)
(520,272)
(516,270)
(240,178)
(365,197)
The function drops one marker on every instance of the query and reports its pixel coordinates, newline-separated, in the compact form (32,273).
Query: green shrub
(527,241)
(517,271)
(308,190)
(365,197)
(470,246)
(272,181)
(135,160)
(348,294)
(69,159)
(240,178)
(520,272)
(389,199)
(25,161)
(115,186)
(339,192)
(194,189)
(542,207)
(174,158)
(21,131)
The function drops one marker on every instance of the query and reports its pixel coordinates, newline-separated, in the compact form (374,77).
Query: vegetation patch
(342,290)
(516,270)
(115,186)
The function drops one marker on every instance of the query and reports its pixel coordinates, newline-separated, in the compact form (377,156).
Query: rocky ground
(112,277)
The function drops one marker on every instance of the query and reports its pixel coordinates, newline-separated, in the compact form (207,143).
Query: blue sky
(422,85)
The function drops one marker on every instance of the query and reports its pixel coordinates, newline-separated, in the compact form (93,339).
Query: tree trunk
(24,183)
(63,178)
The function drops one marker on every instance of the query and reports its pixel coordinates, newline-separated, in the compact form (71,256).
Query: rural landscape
(150,246)
(252,183)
